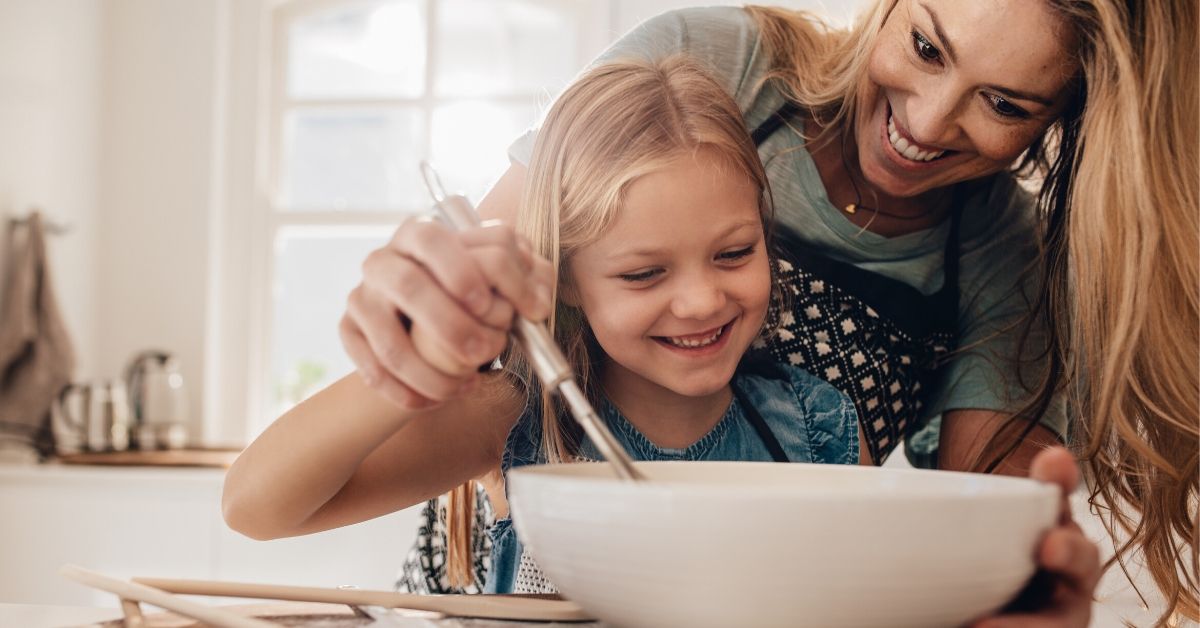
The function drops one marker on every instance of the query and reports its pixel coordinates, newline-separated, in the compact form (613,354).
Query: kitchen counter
(1104,615)
(165,522)
(331,615)
(49,616)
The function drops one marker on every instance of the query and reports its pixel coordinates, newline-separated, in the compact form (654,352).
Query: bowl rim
(998,487)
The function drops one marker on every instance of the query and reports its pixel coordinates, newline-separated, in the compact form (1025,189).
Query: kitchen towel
(36,356)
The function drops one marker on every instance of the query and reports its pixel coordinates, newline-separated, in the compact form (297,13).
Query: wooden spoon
(511,607)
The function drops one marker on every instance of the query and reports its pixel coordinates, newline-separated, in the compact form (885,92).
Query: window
(362,91)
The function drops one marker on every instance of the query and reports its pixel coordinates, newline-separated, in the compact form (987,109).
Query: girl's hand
(1069,564)
(459,288)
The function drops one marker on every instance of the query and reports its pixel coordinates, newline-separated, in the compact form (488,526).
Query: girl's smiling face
(958,90)
(677,289)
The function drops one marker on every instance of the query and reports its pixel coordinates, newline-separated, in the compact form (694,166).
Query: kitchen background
(153,129)
(221,167)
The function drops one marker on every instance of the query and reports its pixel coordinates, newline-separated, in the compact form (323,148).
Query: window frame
(241,363)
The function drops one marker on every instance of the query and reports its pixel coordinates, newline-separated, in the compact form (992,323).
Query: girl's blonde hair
(1120,284)
(616,122)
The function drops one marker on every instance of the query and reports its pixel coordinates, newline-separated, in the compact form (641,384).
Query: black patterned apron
(876,339)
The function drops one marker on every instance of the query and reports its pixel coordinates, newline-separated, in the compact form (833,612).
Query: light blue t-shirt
(998,234)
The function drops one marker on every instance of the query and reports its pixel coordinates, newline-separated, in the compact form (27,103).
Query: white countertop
(46,616)
(50,616)
(52,472)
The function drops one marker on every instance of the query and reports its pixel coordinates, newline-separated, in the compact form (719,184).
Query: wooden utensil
(140,592)
(511,607)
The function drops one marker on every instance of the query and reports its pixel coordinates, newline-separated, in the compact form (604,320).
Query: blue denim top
(812,420)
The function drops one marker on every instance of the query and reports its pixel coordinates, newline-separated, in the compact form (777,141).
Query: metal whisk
(545,356)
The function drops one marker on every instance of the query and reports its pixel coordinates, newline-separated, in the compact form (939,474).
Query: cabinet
(144,521)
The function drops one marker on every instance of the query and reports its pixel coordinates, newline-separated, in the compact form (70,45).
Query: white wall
(50,123)
(629,12)
(160,157)
(108,117)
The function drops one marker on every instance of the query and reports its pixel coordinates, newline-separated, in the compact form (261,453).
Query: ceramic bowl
(759,544)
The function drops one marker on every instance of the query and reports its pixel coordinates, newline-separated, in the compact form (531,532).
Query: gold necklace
(853,208)
(857,205)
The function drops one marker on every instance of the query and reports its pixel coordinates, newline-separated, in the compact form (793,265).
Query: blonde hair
(616,122)
(834,61)
(1133,290)
(1120,280)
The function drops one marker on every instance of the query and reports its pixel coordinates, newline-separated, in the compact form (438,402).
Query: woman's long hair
(1119,285)
(1127,297)
(616,122)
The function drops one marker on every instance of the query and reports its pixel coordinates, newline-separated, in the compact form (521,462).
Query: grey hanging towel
(36,356)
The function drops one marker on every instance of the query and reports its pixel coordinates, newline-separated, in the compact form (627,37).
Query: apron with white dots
(876,339)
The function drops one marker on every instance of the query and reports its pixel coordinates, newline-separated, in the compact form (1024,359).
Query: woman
(951,307)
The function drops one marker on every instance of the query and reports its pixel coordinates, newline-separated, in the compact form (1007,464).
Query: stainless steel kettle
(158,401)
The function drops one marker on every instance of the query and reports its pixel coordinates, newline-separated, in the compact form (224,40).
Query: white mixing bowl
(760,544)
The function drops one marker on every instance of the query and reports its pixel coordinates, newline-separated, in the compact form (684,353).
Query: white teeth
(693,343)
(909,151)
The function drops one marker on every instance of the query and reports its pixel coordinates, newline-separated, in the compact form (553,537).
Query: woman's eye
(644,275)
(1006,109)
(735,255)
(924,48)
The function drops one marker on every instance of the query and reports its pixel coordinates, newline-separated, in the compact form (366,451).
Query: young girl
(648,198)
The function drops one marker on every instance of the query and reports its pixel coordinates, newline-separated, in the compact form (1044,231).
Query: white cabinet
(166,522)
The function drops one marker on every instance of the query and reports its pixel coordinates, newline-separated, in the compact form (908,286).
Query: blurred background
(213,173)
(223,167)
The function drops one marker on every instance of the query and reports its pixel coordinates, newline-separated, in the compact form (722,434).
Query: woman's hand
(1069,564)
(459,288)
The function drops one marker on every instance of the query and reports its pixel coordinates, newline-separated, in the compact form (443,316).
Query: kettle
(98,412)
(158,401)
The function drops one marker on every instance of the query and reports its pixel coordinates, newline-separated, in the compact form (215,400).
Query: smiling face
(959,90)
(677,289)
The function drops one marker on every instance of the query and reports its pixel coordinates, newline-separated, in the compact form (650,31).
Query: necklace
(857,205)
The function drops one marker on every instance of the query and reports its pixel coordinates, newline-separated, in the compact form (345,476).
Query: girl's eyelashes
(644,275)
(929,53)
(651,273)
(736,255)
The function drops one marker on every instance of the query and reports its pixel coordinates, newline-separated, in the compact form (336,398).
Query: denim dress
(804,416)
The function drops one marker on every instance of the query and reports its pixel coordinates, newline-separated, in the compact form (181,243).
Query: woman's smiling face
(958,90)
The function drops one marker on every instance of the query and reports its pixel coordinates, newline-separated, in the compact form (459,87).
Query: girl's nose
(698,298)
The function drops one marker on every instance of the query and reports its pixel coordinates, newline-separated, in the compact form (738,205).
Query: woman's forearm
(969,441)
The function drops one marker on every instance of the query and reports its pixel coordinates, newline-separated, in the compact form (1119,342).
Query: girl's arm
(347,455)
